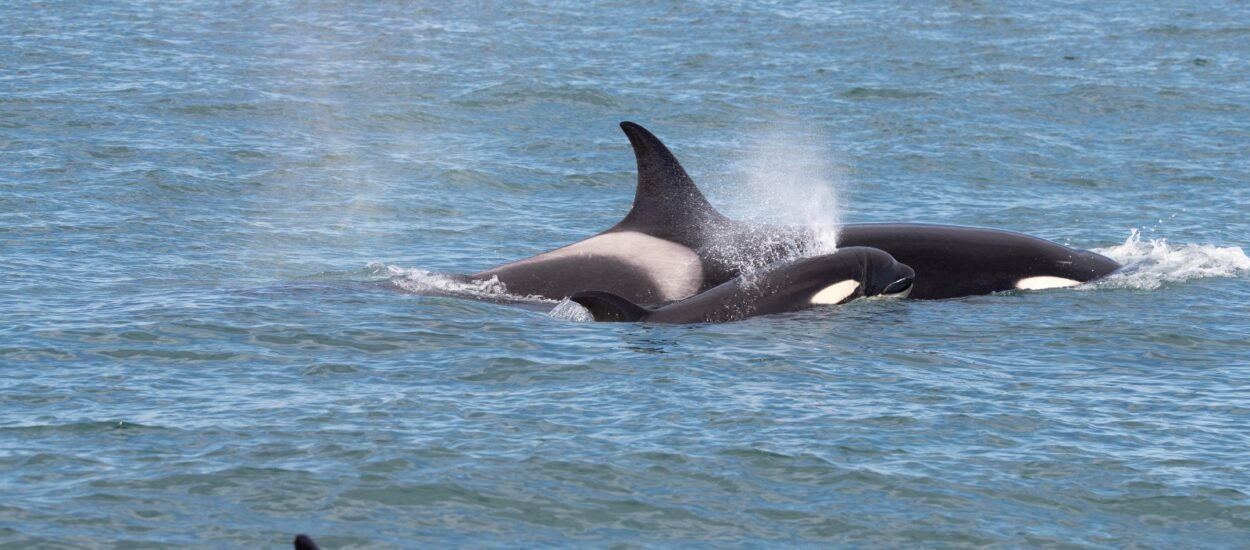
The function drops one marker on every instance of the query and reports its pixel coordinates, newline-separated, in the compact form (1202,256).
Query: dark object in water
(305,542)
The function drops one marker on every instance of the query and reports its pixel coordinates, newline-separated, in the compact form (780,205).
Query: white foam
(1152,263)
(420,281)
(569,310)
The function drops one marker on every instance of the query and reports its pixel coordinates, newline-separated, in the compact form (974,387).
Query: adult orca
(953,261)
(673,244)
(791,285)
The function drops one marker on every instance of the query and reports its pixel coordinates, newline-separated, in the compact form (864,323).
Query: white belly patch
(1043,283)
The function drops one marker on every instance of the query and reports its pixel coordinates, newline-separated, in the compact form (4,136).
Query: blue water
(217,222)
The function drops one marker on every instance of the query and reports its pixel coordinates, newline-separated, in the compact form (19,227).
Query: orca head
(1075,267)
(855,272)
(884,276)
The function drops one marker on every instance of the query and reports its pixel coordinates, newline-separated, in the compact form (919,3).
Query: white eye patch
(1043,283)
(835,293)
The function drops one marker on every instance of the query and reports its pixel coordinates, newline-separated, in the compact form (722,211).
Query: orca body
(673,244)
(952,261)
(791,285)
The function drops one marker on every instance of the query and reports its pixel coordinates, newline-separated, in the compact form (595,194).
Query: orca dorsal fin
(605,306)
(305,542)
(666,196)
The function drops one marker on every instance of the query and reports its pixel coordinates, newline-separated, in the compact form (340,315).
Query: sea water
(222,321)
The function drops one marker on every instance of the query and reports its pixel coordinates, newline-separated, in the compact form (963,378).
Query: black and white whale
(953,261)
(790,285)
(673,244)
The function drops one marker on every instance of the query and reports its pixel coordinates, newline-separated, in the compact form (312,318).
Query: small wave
(569,310)
(420,281)
(1149,264)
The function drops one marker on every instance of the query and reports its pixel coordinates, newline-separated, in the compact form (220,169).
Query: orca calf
(673,244)
(793,285)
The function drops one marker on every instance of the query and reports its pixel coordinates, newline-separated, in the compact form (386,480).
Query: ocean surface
(221,323)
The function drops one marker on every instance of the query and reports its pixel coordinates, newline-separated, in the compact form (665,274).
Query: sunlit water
(219,322)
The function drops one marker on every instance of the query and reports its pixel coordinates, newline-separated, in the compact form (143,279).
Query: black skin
(667,205)
(950,261)
(305,542)
(783,287)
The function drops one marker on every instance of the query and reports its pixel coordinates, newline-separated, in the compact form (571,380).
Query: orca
(790,285)
(954,261)
(305,542)
(673,244)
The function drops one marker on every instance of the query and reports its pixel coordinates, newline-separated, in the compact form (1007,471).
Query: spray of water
(1150,264)
(791,178)
(569,310)
(786,177)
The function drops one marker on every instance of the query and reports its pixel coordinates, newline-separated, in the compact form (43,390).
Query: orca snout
(901,286)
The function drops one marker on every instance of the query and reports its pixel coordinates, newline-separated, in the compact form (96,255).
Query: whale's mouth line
(899,289)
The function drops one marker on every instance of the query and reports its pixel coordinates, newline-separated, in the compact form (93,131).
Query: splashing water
(1150,264)
(786,179)
(420,281)
(568,310)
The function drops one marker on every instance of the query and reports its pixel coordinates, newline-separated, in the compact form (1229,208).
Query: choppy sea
(219,220)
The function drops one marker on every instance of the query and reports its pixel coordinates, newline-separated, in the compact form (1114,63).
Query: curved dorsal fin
(305,542)
(666,196)
(605,306)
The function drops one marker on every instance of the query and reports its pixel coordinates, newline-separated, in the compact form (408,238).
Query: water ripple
(226,315)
